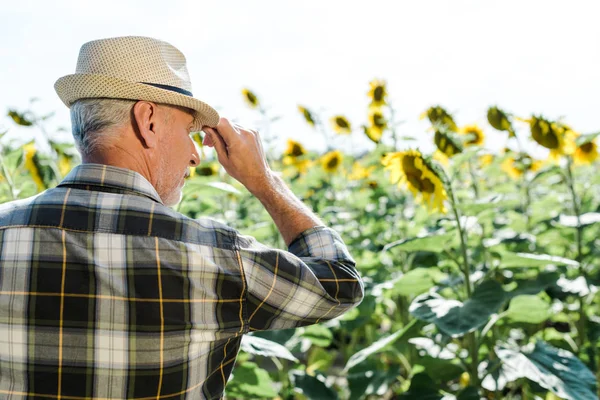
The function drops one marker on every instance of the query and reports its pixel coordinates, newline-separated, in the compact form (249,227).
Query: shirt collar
(111,177)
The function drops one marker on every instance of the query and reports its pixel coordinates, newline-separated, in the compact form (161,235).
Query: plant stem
(471,338)
(579,239)
(8,178)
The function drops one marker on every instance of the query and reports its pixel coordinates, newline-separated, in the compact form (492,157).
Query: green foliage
(497,298)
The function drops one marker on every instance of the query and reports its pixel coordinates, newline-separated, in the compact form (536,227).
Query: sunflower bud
(438,116)
(250,98)
(499,120)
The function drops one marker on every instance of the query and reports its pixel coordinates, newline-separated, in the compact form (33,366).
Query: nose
(194,157)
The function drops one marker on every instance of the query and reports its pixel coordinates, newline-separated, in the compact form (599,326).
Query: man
(107,293)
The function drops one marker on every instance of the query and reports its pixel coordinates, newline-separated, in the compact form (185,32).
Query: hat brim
(71,88)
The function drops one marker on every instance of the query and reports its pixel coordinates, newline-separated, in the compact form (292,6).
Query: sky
(526,56)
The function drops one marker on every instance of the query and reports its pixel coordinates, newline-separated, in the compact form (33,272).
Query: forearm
(291,216)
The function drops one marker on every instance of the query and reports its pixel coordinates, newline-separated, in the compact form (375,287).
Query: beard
(171,184)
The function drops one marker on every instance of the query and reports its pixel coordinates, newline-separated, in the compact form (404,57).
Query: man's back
(107,293)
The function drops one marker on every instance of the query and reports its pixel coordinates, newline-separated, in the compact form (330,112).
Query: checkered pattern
(105,293)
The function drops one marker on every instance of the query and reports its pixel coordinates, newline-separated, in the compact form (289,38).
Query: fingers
(218,143)
(227,131)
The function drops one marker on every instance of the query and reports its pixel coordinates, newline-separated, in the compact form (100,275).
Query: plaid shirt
(106,293)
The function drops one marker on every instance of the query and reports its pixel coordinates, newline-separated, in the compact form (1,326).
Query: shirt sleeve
(315,280)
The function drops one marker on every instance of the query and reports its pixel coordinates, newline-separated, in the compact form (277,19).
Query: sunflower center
(413,175)
(341,122)
(333,162)
(587,147)
(378,93)
(296,150)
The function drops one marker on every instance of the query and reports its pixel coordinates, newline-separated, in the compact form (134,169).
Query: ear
(145,114)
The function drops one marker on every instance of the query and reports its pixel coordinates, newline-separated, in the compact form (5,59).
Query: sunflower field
(481,268)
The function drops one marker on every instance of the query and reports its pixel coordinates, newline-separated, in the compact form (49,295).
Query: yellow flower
(359,172)
(410,168)
(331,161)
(341,125)
(587,153)
(294,149)
(557,137)
(32,165)
(377,119)
(464,379)
(307,115)
(64,165)
(377,93)
(486,159)
(499,120)
(439,116)
(250,98)
(516,165)
(300,165)
(446,143)
(373,133)
(477,137)
(208,169)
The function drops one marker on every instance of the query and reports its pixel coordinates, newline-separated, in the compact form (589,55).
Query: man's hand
(240,152)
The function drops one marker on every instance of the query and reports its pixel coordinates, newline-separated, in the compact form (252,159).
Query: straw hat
(135,68)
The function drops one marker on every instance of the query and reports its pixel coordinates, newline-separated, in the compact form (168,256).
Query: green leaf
(417,281)
(19,118)
(585,219)
(511,260)
(371,382)
(554,369)
(267,348)
(250,381)
(318,335)
(583,139)
(377,346)
(422,387)
(469,393)
(528,308)
(311,387)
(541,282)
(14,159)
(222,186)
(455,318)
(432,242)
(440,370)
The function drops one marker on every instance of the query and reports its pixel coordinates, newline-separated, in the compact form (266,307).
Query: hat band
(171,88)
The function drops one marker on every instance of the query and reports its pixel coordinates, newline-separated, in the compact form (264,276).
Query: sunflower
(516,165)
(32,165)
(476,135)
(331,161)
(341,125)
(377,93)
(208,169)
(307,115)
(555,136)
(377,119)
(294,149)
(486,159)
(250,98)
(298,164)
(586,153)
(360,172)
(498,119)
(446,143)
(439,116)
(64,165)
(419,175)
(373,133)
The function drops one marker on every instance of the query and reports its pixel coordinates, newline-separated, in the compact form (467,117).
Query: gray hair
(92,120)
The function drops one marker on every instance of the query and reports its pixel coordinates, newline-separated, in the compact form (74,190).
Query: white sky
(527,56)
